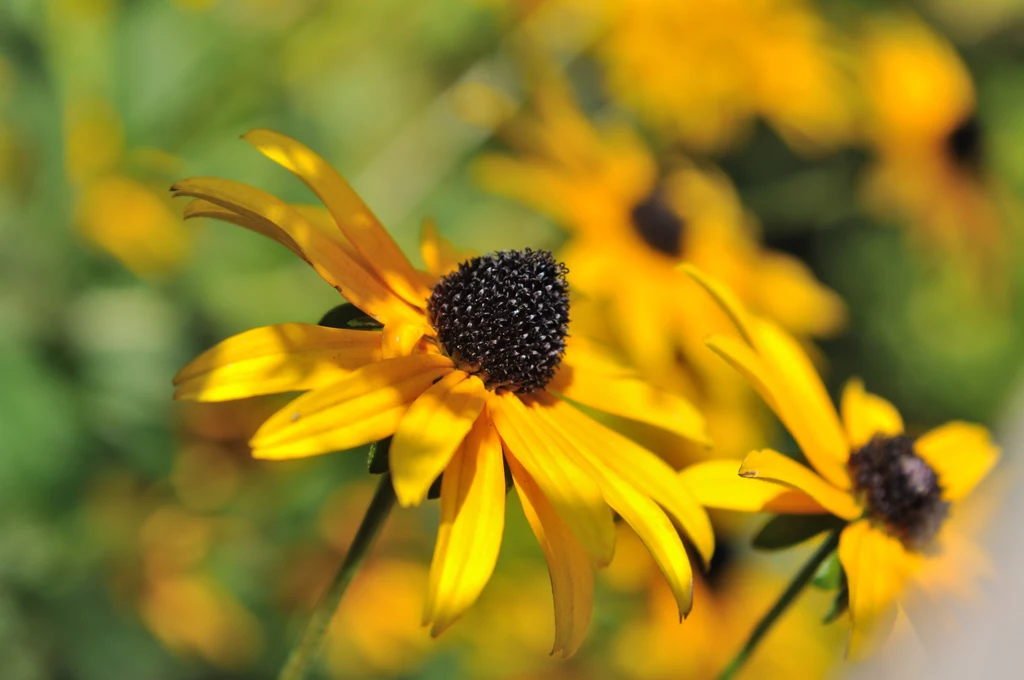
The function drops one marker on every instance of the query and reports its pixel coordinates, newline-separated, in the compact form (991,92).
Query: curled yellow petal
(572,579)
(472,522)
(399,339)
(574,495)
(289,357)
(773,466)
(362,406)
(866,415)
(717,484)
(431,431)
(199,207)
(961,455)
(353,217)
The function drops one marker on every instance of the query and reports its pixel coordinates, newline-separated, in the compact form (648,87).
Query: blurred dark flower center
(658,225)
(965,144)
(900,489)
(504,316)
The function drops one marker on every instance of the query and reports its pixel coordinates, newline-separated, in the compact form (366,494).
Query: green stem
(802,578)
(300,661)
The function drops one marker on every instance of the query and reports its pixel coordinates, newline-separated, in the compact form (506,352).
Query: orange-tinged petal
(472,522)
(582,377)
(199,207)
(354,218)
(640,468)
(288,357)
(399,339)
(326,255)
(431,431)
(439,255)
(572,579)
(717,484)
(876,565)
(961,455)
(649,521)
(363,406)
(575,496)
(866,415)
(773,466)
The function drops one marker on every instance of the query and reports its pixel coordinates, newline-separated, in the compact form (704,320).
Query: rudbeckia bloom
(895,491)
(622,213)
(467,375)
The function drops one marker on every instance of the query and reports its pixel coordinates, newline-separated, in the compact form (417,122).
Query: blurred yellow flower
(895,491)
(623,214)
(923,125)
(465,377)
(702,71)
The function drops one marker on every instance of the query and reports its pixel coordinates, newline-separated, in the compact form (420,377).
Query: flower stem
(301,658)
(802,578)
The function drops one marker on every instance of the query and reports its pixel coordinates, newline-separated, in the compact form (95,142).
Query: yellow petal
(865,415)
(726,300)
(472,522)
(359,286)
(288,357)
(773,466)
(583,377)
(439,255)
(399,339)
(572,580)
(961,455)
(363,406)
(717,484)
(353,217)
(639,468)
(875,565)
(430,432)
(649,521)
(575,496)
(202,208)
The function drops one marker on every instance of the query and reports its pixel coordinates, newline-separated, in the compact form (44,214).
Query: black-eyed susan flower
(703,72)
(894,491)
(623,213)
(470,372)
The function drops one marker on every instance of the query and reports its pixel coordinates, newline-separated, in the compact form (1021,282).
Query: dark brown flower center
(658,225)
(504,316)
(900,489)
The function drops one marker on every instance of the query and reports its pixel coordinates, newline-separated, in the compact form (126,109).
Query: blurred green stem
(302,656)
(802,578)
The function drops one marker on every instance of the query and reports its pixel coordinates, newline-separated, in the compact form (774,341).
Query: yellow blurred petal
(638,510)
(717,484)
(354,218)
(362,406)
(726,300)
(639,468)
(788,292)
(572,579)
(875,565)
(326,255)
(290,357)
(773,466)
(961,455)
(399,339)
(431,431)
(439,255)
(581,378)
(574,495)
(865,415)
(472,522)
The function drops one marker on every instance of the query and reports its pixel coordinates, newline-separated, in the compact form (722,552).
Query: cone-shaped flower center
(504,316)
(900,489)
(965,145)
(658,225)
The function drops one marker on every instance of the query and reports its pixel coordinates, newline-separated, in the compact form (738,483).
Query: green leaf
(840,604)
(784,531)
(830,574)
(347,315)
(377,462)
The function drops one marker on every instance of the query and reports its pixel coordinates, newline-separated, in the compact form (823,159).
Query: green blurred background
(138,540)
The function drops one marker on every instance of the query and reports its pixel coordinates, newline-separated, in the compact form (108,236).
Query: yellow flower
(922,122)
(703,71)
(895,491)
(604,187)
(466,376)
